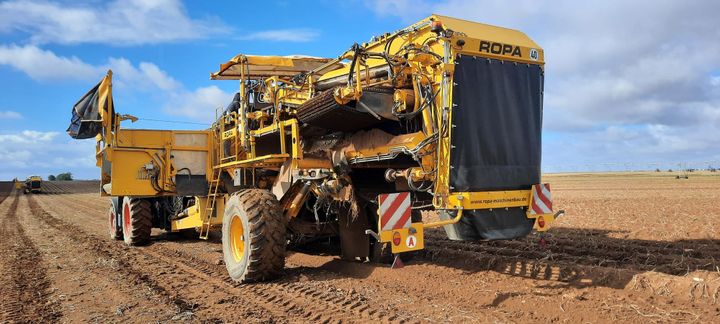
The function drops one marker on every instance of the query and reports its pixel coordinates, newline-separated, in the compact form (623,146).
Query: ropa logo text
(500,49)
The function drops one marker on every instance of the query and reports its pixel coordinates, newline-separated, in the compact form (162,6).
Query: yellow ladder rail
(212,195)
(210,206)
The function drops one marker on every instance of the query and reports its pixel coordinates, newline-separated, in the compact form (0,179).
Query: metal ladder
(210,205)
(212,190)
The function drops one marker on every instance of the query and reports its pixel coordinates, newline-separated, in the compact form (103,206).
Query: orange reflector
(397,238)
(541,221)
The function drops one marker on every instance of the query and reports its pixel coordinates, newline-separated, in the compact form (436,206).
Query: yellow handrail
(445,222)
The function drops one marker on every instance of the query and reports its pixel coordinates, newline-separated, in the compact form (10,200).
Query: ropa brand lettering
(499,48)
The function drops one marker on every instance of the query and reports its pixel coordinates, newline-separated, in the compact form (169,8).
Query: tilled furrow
(25,288)
(516,266)
(301,298)
(86,204)
(586,255)
(123,257)
(692,250)
(589,239)
(289,298)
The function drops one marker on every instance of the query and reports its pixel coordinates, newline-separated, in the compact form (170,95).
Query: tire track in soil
(570,261)
(6,189)
(301,300)
(126,261)
(275,308)
(25,289)
(319,304)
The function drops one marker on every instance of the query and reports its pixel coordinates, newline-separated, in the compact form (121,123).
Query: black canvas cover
(486,224)
(497,139)
(498,124)
(85,121)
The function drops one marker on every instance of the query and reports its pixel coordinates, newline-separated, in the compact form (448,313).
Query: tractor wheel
(253,236)
(116,232)
(137,221)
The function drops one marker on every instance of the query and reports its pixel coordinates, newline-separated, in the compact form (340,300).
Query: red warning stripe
(542,199)
(395,210)
(396,201)
(544,195)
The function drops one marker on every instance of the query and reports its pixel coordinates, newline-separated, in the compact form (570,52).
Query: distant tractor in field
(33,184)
(19,185)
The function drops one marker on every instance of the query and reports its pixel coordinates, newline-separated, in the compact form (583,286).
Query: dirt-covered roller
(444,115)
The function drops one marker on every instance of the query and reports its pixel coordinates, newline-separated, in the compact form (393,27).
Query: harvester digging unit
(443,115)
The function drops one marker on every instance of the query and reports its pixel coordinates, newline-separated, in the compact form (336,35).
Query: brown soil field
(632,247)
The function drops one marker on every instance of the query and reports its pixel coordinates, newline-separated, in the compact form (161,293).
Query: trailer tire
(115,227)
(253,236)
(137,221)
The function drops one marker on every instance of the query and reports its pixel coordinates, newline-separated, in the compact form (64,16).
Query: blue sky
(627,85)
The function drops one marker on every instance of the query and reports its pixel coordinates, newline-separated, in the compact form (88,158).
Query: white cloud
(284,35)
(42,64)
(119,22)
(715,81)
(27,137)
(8,114)
(200,104)
(642,147)
(31,152)
(143,76)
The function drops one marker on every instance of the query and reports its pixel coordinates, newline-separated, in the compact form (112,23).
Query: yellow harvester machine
(33,184)
(444,115)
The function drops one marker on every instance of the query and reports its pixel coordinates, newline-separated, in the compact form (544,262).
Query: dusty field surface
(631,248)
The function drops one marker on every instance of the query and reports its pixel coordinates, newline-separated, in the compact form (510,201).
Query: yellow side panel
(143,138)
(545,220)
(489,199)
(401,240)
(126,171)
(192,221)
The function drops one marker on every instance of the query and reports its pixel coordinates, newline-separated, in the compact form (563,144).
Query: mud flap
(496,224)
(354,243)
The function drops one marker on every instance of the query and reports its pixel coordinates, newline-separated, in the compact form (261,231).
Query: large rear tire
(115,227)
(137,221)
(253,236)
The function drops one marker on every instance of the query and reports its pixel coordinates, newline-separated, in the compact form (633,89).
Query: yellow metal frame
(135,148)
(401,237)
(197,215)
(489,199)
(540,219)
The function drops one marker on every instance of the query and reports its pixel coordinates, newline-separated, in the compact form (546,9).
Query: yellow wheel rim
(237,238)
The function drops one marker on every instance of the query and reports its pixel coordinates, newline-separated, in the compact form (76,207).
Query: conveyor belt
(324,112)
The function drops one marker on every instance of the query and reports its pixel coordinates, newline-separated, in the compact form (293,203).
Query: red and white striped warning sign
(542,199)
(394,210)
